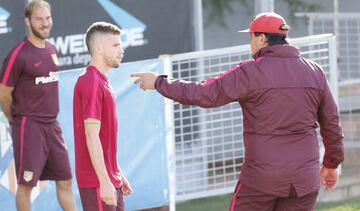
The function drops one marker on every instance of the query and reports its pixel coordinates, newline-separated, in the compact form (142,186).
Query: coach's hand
(108,193)
(328,178)
(145,80)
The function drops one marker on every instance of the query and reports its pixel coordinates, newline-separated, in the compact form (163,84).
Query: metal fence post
(333,68)
(170,142)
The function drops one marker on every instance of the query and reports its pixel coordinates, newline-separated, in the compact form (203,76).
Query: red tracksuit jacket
(283,97)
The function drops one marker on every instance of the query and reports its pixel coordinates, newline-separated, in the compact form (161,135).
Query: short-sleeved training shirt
(33,72)
(94,98)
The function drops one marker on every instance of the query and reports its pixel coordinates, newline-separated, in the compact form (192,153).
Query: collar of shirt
(285,51)
(93,68)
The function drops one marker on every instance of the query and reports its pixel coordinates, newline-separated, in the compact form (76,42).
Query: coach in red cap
(283,97)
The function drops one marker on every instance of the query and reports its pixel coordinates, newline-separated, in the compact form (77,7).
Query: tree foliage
(218,8)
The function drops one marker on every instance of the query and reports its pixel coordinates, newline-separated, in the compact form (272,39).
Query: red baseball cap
(268,22)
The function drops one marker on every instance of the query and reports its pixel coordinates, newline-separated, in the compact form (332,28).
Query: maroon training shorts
(39,151)
(91,201)
(248,199)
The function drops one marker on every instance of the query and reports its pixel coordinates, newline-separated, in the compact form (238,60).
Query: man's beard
(115,64)
(37,33)
(112,63)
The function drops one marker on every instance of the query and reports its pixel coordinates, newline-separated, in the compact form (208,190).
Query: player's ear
(98,48)
(27,21)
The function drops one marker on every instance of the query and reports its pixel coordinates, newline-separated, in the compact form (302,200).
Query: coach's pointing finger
(136,75)
(145,80)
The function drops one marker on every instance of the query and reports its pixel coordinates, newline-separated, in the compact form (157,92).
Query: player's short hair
(100,28)
(35,3)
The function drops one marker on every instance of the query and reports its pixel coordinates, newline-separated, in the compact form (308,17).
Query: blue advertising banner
(141,142)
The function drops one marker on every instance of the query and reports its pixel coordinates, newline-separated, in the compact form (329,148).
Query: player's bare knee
(24,190)
(64,184)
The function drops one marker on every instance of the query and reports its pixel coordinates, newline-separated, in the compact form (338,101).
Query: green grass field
(221,203)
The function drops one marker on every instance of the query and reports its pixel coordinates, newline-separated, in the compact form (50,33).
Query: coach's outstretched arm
(229,86)
(6,100)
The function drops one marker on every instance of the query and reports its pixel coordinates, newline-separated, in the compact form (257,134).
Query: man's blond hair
(35,3)
(100,28)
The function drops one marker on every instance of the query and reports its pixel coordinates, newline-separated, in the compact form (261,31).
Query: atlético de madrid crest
(55,59)
(28,176)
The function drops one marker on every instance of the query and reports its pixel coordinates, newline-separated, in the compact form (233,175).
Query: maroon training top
(33,72)
(282,97)
(94,98)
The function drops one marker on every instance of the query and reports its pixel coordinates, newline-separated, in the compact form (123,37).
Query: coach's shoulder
(246,65)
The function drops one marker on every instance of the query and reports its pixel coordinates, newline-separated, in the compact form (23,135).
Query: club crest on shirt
(55,59)
(28,176)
